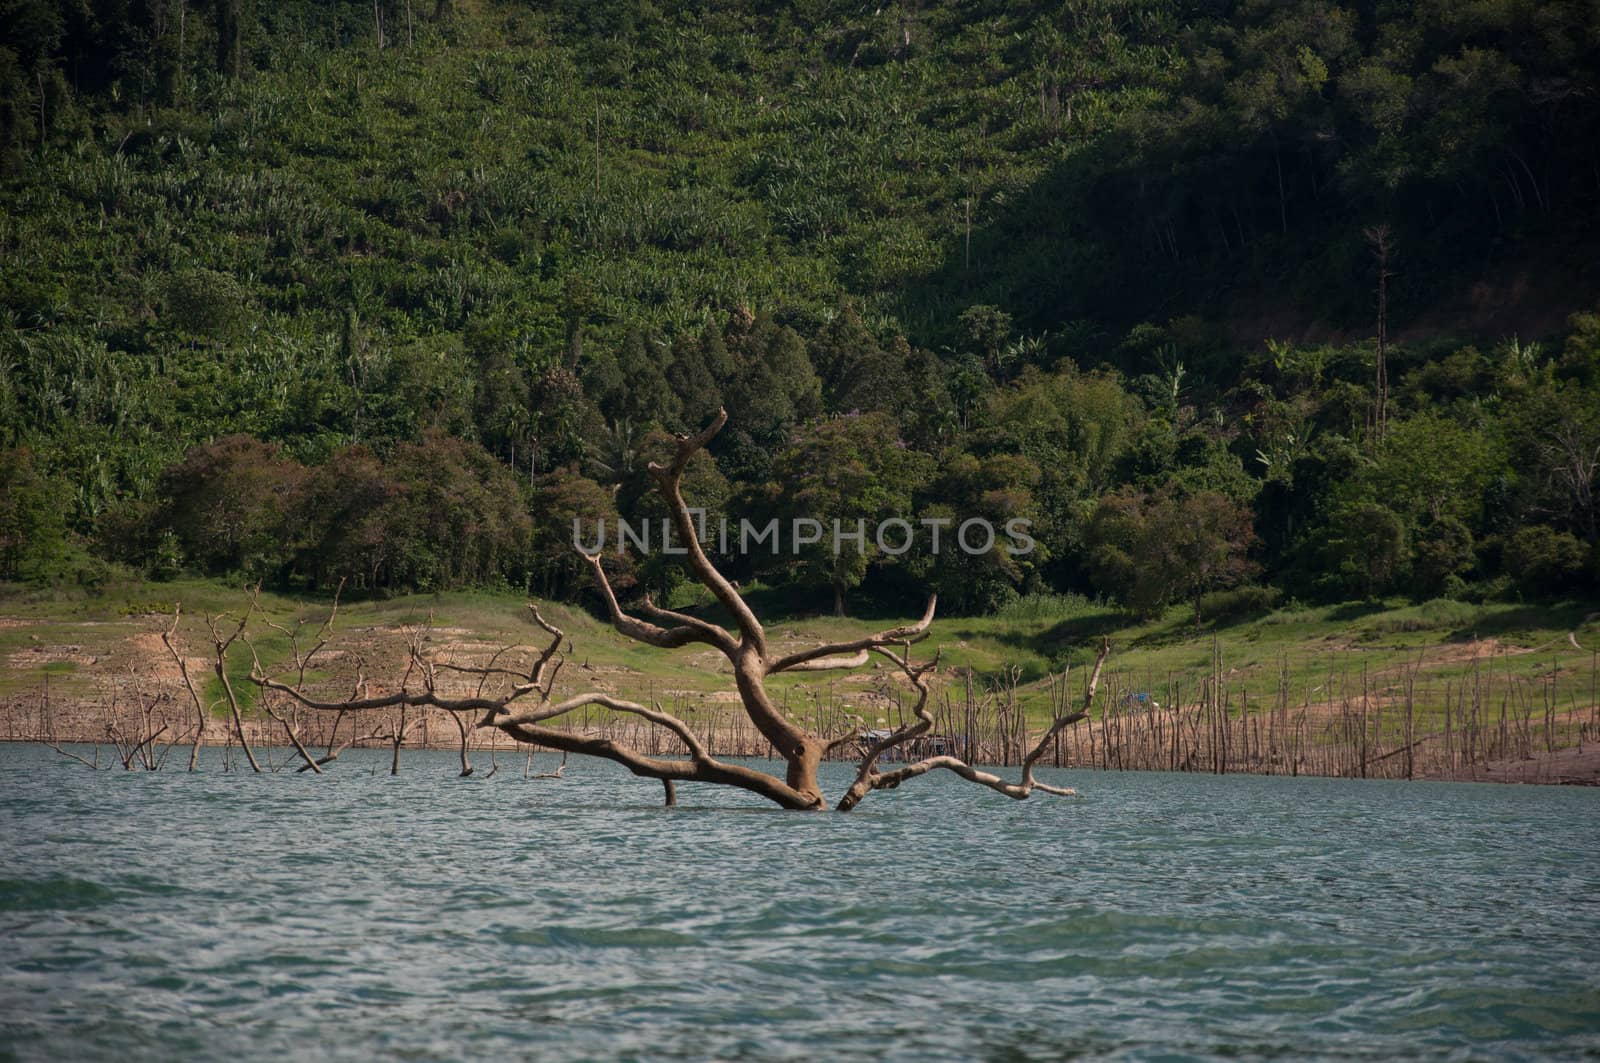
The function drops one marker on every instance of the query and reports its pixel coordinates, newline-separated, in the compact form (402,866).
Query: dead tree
(464,721)
(188,683)
(132,731)
(1379,237)
(527,711)
(221,645)
(869,778)
(335,747)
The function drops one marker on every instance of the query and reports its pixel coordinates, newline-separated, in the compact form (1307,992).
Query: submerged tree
(527,710)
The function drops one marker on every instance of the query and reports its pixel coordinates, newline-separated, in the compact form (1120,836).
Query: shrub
(202,302)
(1439,614)
(1542,559)
(32,532)
(1238,601)
(1041,607)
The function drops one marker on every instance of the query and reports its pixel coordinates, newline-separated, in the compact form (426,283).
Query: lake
(231,917)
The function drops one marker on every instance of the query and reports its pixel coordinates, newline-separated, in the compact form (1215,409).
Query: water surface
(234,917)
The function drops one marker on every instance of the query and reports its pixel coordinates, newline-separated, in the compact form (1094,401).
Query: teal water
(357,916)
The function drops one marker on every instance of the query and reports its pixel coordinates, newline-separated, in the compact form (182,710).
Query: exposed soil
(120,664)
(1579,766)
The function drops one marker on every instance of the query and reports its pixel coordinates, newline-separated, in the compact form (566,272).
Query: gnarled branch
(653,634)
(869,778)
(853,654)
(221,644)
(668,479)
(188,683)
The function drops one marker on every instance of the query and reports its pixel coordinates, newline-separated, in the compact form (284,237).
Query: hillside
(389,294)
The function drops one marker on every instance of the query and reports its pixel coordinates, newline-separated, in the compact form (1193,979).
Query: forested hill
(389,292)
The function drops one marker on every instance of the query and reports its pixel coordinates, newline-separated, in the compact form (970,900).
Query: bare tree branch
(221,669)
(834,655)
(652,634)
(717,636)
(869,779)
(73,756)
(826,664)
(294,738)
(696,748)
(188,682)
(668,478)
(708,771)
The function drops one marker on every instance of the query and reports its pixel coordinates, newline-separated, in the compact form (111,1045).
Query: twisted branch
(188,682)
(668,478)
(869,778)
(688,629)
(853,654)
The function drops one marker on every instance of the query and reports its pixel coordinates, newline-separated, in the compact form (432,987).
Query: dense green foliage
(300,293)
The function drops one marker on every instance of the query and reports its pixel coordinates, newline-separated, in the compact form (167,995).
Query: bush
(1043,607)
(1439,614)
(202,302)
(1542,559)
(32,532)
(1293,611)
(1239,601)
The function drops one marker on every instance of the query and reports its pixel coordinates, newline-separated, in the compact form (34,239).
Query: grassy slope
(1316,654)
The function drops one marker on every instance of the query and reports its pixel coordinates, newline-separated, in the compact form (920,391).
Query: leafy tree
(704,489)
(1556,430)
(1443,553)
(714,352)
(644,397)
(774,386)
(698,391)
(32,528)
(1294,501)
(1461,374)
(883,379)
(229,504)
(460,520)
(988,328)
(559,409)
(1542,559)
(501,404)
(855,471)
(998,490)
(559,498)
(1151,551)
(1077,424)
(843,351)
(1433,467)
(341,521)
(1365,549)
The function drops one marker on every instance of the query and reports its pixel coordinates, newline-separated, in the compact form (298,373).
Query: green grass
(1314,652)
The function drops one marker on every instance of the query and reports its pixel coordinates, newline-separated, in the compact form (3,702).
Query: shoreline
(1577,766)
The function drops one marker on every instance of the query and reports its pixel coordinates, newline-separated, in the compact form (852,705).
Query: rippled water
(224,916)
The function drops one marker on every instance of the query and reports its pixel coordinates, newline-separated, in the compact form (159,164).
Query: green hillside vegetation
(388,294)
